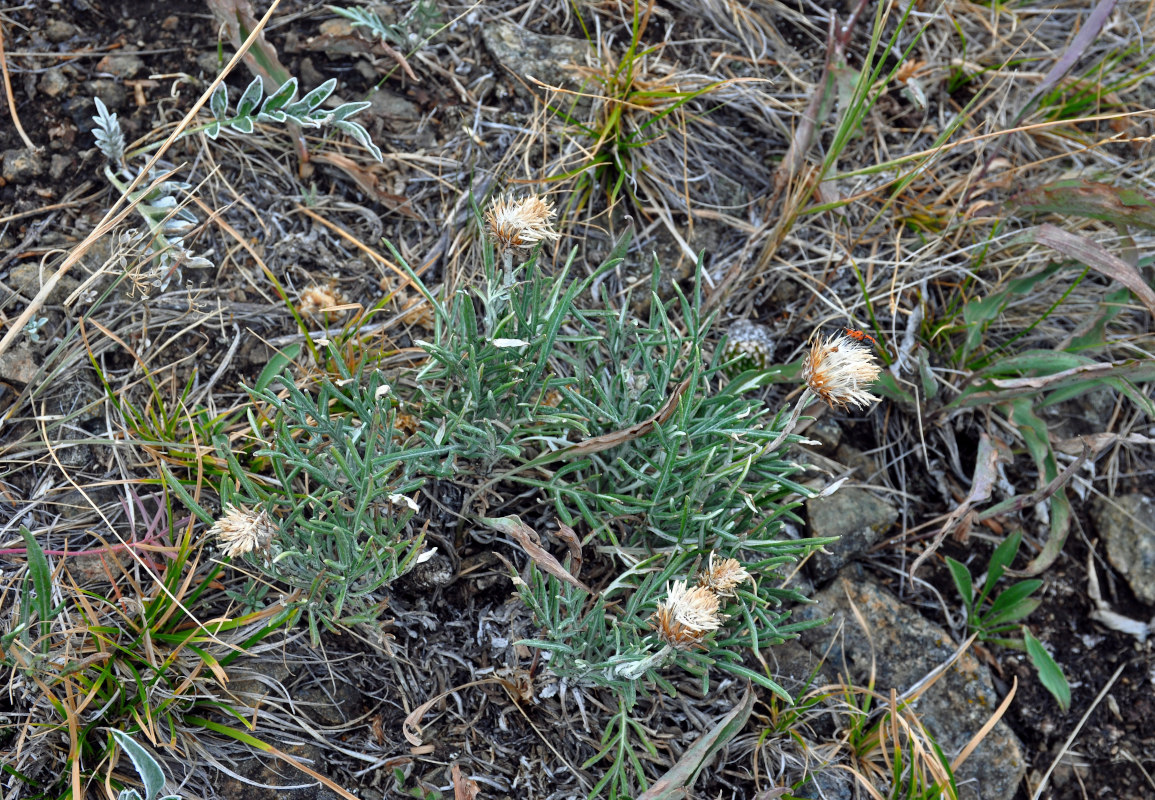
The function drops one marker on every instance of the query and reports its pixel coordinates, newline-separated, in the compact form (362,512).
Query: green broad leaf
(1000,559)
(1011,613)
(1011,597)
(1035,362)
(213,130)
(272,116)
(219,102)
(41,575)
(1119,205)
(962,581)
(1050,673)
(251,98)
(280,98)
(151,775)
(277,364)
(886,386)
(1034,432)
(926,374)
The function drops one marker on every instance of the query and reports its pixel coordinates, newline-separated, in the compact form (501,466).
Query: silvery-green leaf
(346,110)
(242,124)
(150,772)
(251,98)
(219,103)
(314,98)
(212,130)
(281,97)
(361,135)
(271,116)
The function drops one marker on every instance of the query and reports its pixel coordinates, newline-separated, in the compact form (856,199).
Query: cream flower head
(521,223)
(838,370)
(686,615)
(722,576)
(242,531)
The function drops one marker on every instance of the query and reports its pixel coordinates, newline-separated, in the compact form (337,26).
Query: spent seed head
(722,576)
(687,615)
(521,223)
(242,531)
(838,369)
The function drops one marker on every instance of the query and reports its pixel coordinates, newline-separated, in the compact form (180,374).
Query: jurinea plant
(243,531)
(838,370)
(687,615)
(521,223)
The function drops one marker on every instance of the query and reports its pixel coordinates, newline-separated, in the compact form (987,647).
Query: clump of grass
(150,656)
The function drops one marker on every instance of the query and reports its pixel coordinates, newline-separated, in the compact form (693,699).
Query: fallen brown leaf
(531,543)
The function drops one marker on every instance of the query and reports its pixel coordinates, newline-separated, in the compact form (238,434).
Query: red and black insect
(860,336)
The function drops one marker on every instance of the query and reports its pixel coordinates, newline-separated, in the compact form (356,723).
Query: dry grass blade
(1087,34)
(679,780)
(608,440)
(1094,256)
(412,726)
(9,96)
(1078,728)
(977,739)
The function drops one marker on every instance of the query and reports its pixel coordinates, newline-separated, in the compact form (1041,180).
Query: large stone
(1127,525)
(549,59)
(857,517)
(21,166)
(897,649)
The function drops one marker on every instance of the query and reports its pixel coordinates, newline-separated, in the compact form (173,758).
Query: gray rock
(856,516)
(391,107)
(57,30)
(111,93)
(22,165)
(1127,524)
(18,365)
(897,650)
(549,59)
(53,82)
(59,167)
(125,64)
(827,432)
(210,62)
(27,278)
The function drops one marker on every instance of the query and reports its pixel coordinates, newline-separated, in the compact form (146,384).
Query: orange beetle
(860,336)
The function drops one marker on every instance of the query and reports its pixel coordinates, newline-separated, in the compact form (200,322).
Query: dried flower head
(722,576)
(838,370)
(242,531)
(317,300)
(521,223)
(686,615)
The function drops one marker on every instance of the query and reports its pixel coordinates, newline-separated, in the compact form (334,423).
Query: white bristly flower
(521,223)
(686,615)
(839,369)
(722,576)
(242,531)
